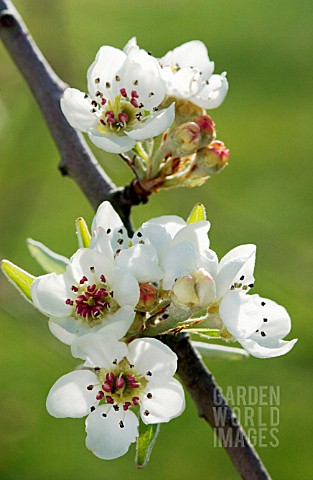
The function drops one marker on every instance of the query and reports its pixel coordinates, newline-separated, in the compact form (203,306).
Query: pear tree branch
(78,162)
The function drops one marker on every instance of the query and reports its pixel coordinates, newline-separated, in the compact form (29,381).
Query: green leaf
(197,214)
(219,352)
(145,442)
(19,278)
(47,259)
(82,233)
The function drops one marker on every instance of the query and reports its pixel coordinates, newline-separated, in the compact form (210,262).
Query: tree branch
(78,162)
(208,398)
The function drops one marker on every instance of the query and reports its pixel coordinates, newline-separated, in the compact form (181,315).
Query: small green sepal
(83,234)
(18,277)
(145,442)
(47,259)
(197,214)
(220,352)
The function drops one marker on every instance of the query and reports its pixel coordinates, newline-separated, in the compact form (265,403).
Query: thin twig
(78,162)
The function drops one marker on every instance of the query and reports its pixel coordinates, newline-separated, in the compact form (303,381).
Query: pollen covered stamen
(92,300)
(119,388)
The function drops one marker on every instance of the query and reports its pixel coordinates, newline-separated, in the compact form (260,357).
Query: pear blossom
(259,324)
(93,293)
(187,72)
(117,379)
(167,245)
(121,106)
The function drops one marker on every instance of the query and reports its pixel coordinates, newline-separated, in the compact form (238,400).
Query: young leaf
(197,214)
(145,442)
(82,233)
(219,352)
(47,259)
(21,280)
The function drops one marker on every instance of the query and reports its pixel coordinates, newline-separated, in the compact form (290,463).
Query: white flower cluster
(127,92)
(119,292)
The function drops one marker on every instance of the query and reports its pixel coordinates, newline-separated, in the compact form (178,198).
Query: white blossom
(121,106)
(187,72)
(92,293)
(117,379)
(259,324)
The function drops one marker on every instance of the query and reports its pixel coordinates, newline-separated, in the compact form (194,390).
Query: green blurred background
(265,196)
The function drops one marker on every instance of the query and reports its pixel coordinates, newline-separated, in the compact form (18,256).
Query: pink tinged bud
(123,92)
(107,387)
(134,102)
(123,117)
(135,400)
(185,139)
(110,377)
(109,399)
(205,123)
(99,395)
(211,159)
(119,382)
(148,296)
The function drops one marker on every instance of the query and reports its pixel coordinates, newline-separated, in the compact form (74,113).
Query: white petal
(209,261)
(107,218)
(151,355)
(184,83)
(113,143)
(67,329)
(196,233)
(108,63)
(240,313)
(154,125)
(280,347)
(276,322)
(155,235)
(132,43)
(212,94)
(105,437)
(191,54)
(141,261)
(119,322)
(125,287)
(172,223)
(167,401)
(235,264)
(49,293)
(181,259)
(99,349)
(69,396)
(77,110)
(145,71)
(90,263)
(100,241)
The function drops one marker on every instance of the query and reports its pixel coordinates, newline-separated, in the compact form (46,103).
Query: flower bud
(148,297)
(195,291)
(184,139)
(211,159)
(207,127)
